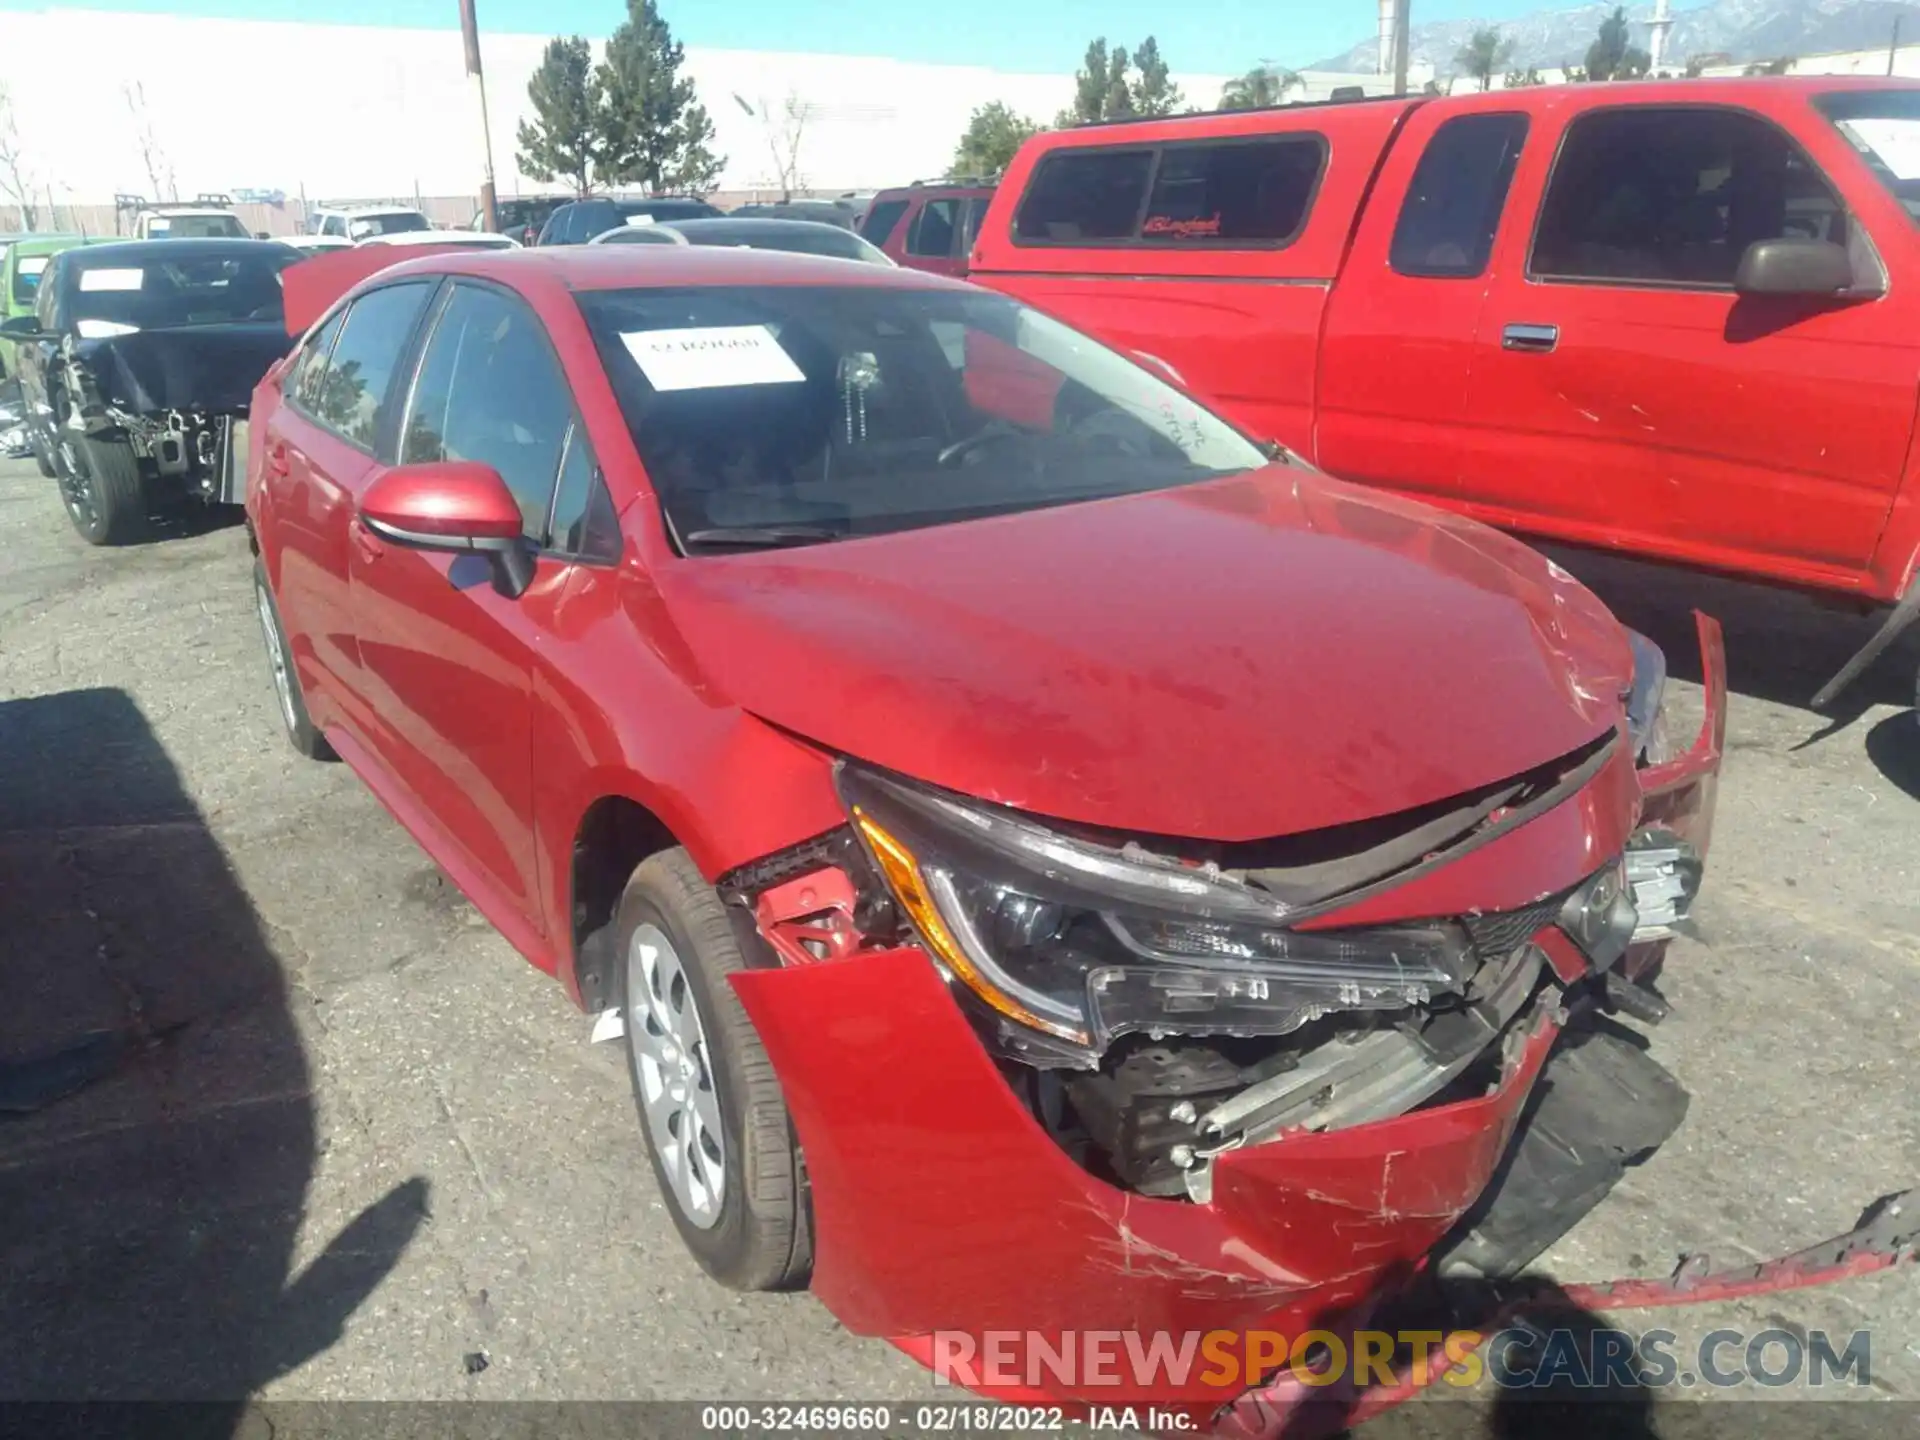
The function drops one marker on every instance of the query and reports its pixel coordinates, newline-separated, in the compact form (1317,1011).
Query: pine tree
(654,132)
(561,141)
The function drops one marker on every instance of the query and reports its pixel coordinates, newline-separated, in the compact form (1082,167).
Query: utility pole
(470,36)
(1893,45)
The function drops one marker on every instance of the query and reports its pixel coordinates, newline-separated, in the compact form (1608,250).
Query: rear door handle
(277,457)
(1537,338)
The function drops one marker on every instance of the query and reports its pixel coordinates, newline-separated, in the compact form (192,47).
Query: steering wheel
(1122,432)
(986,435)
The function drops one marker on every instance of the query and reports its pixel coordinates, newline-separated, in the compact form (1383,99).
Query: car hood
(198,367)
(1244,658)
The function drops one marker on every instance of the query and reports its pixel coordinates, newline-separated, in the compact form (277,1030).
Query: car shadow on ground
(157,1127)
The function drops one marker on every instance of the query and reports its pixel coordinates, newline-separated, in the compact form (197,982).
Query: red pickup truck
(1675,318)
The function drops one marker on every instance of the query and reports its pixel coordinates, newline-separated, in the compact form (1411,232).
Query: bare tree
(152,153)
(16,182)
(786,129)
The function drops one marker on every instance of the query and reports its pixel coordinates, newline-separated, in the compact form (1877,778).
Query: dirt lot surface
(361,1150)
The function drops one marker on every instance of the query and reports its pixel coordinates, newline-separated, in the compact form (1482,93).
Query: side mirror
(263,234)
(23,327)
(453,505)
(1794,267)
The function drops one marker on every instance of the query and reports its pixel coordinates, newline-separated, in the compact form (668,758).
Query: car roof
(626,267)
(753,225)
(135,251)
(187,210)
(40,243)
(937,187)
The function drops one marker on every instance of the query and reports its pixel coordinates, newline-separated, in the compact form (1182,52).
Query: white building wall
(358,111)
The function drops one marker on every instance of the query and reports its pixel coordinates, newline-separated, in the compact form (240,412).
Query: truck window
(1447,222)
(1242,190)
(1669,195)
(932,232)
(1884,126)
(1079,195)
(1226,192)
(881,220)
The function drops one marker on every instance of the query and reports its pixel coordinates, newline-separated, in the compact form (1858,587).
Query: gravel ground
(368,1154)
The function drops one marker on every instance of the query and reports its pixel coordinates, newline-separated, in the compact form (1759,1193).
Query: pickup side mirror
(23,327)
(453,505)
(263,234)
(1794,267)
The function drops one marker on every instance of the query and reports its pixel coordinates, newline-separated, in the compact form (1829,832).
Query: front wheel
(101,487)
(716,1123)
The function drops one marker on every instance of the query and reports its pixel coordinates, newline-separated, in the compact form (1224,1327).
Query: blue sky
(1221,36)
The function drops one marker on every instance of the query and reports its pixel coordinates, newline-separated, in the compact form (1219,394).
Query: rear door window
(933,228)
(881,219)
(1452,208)
(1228,193)
(351,396)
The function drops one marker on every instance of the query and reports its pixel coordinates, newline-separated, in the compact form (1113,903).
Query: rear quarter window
(1255,192)
(881,219)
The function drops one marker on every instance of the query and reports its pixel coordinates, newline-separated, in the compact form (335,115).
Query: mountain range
(1740,30)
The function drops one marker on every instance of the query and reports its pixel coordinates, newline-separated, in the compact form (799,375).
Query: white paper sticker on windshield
(639,219)
(111,279)
(34,264)
(711,357)
(1896,141)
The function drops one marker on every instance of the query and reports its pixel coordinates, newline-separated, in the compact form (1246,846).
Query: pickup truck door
(1401,321)
(1621,393)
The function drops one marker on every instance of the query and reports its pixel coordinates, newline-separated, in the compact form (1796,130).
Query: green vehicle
(23,259)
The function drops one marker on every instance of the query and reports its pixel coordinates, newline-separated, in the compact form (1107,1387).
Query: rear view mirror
(457,506)
(1794,267)
(22,327)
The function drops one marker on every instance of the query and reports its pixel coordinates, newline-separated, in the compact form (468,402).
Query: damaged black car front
(137,368)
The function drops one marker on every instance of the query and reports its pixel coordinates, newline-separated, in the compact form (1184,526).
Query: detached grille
(1497,936)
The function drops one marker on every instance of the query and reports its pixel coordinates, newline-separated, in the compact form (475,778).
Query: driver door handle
(365,543)
(1536,338)
(277,457)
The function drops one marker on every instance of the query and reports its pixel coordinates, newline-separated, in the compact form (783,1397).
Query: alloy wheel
(672,1059)
(276,657)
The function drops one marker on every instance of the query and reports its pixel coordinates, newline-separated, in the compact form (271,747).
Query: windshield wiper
(761,537)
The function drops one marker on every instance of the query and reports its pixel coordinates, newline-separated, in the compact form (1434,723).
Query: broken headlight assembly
(1083,942)
(1646,702)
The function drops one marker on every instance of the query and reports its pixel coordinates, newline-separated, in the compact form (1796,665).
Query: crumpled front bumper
(944,1211)
(941,1205)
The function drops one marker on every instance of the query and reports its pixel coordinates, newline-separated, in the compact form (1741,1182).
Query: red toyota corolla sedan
(1145,879)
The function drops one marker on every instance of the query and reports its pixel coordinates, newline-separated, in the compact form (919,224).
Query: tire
(41,456)
(677,944)
(101,486)
(302,733)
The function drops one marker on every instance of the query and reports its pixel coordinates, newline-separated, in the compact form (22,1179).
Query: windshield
(786,414)
(197,227)
(1884,126)
(113,296)
(397,223)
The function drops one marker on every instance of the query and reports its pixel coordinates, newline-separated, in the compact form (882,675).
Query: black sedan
(137,368)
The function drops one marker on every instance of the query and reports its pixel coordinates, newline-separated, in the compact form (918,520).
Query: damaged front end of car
(177,399)
(1148,1085)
